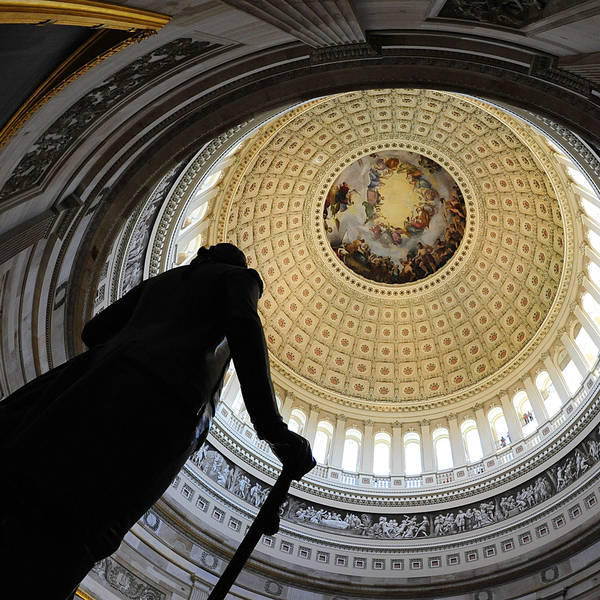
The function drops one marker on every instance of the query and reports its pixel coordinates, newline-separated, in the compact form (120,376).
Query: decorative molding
(524,14)
(96,104)
(136,25)
(356,521)
(483,186)
(585,65)
(131,254)
(82,14)
(545,68)
(124,581)
(538,451)
(317,24)
(342,52)
(163,239)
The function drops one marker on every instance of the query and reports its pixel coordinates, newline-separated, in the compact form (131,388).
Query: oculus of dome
(394,217)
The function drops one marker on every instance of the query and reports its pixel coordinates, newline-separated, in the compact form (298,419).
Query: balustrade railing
(503,455)
(382,482)
(413,482)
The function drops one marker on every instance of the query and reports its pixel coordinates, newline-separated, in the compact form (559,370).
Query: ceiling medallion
(394,217)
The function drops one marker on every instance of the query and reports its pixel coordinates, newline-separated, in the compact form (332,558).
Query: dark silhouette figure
(87,448)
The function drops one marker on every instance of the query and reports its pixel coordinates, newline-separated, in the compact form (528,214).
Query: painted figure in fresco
(337,201)
(340,199)
(87,448)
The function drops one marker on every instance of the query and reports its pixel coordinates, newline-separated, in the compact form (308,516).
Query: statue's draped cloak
(88,447)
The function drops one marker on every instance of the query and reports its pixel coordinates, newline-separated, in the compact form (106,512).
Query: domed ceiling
(412,243)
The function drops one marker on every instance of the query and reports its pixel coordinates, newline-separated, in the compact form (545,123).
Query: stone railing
(500,460)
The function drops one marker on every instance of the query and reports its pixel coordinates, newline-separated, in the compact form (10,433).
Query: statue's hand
(294,452)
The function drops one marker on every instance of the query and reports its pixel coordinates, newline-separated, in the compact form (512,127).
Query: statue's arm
(248,348)
(112,319)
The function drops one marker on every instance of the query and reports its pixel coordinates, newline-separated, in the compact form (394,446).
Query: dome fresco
(330,200)
(394,217)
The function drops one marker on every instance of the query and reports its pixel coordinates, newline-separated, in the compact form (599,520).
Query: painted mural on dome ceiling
(394,217)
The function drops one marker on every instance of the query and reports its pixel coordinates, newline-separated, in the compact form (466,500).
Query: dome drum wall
(535,483)
(492,560)
(447,489)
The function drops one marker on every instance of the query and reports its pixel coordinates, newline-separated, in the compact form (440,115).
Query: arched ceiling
(415,345)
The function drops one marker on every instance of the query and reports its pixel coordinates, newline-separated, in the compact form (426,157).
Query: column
(512,420)
(558,380)
(592,254)
(588,325)
(427,446)
(366,450)
(231,390)
(311,424)
(397,449)
(456,441)
(287,405)
(339,437)
(485,433)
(575,353)
(536,401)
(591,288)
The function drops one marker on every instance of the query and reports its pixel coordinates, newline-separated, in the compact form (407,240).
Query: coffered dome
(459,327)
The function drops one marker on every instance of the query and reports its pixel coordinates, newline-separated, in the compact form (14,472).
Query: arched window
(229,374)
(322,443)
(234,149)
(412,453)
(209,182)
(297,421)
(382,451)
(351,450)
(525,413)
(592,211)
(593,271)
(442,449)
(571,374)
(471,440)
(196,215)
(499,427)
(594,240)
(549,394)
(237,406)
(587,346)
(189,249)
(591,307)
(579,178)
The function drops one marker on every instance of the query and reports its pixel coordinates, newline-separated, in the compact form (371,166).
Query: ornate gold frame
(119,27)
(82,13)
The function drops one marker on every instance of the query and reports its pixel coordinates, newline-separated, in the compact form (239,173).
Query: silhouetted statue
(88,447)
